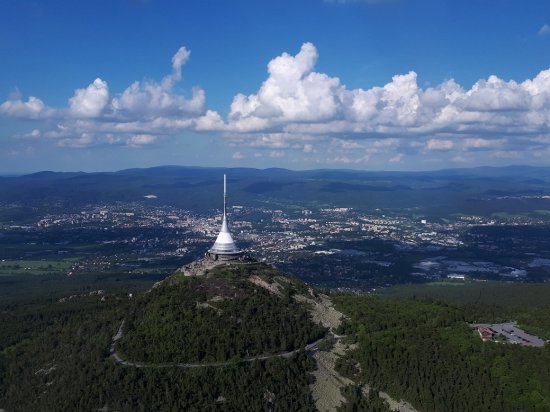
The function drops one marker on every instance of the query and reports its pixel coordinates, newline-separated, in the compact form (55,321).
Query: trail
(119,360)
(328,382)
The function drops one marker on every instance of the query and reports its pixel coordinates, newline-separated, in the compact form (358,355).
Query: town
(341,248)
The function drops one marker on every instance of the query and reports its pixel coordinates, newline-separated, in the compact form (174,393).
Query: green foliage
(527,303)
(215,319)
(55,357)
(424,351)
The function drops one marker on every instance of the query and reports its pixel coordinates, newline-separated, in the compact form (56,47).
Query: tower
(224,248)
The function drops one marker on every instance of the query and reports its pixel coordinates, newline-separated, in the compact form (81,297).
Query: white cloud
(494,95)
(178,60)
(507,155)
(459,159)
(141,140)
(292,93)
(277,154)
(210,121)
(91,101)
(439,144)
(132,117)
(238,156)
(544,30)
(308,148)
(398,158)
(348,144)
(296,99)
(298,110)
(84,140)
(390,142)
(479,143)
(350,159)
(33,109)
(151,100)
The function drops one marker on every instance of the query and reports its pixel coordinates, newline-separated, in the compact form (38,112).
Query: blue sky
(364,84)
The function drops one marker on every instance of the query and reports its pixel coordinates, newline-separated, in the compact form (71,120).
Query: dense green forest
(54,356)
(526,303)
(413,343)
(216,318)
(424,351)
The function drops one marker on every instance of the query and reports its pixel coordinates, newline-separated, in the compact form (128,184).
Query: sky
(359,84)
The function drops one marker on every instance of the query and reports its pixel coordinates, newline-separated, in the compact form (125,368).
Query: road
(119,360)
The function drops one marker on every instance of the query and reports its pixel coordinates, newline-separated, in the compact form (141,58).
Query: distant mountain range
(199,188)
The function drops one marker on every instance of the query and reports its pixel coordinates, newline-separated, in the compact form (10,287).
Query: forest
(414,343)
(423,350)
(54,356)
(218,318)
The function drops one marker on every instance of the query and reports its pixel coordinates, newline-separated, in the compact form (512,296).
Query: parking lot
(513,334)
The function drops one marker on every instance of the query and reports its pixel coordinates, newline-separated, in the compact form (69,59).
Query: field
(36,267)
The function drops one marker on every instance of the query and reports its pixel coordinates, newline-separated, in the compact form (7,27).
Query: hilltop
(245,336)
(233,312)
(238,337)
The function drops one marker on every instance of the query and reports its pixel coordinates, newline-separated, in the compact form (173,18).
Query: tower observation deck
(225,248)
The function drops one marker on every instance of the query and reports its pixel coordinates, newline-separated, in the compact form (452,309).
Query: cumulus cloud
(33,108)
(146,100)
(296,99)
(211,120)
(299,110)
(91,101)
(292,93)
(150,99)
(133,117)
(296,102)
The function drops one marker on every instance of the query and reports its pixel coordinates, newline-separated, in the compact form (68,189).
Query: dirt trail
(328,382)
(397,406)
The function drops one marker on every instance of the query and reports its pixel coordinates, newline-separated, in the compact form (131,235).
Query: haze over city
(384,85)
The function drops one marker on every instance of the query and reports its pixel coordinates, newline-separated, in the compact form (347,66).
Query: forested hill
(233,312)
(423,350)
(198,189)
(239,338)
(58,356)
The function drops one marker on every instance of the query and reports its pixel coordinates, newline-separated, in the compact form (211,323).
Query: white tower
(224,247)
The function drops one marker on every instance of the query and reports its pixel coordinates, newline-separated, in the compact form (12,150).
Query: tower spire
(224,245)
(224,196)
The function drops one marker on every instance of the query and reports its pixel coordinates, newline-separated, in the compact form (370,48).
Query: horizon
(224,168)
(359,84)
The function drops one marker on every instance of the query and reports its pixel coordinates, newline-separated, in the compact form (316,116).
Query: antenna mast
(224,196)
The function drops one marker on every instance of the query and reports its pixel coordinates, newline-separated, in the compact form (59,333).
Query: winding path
(119,360)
